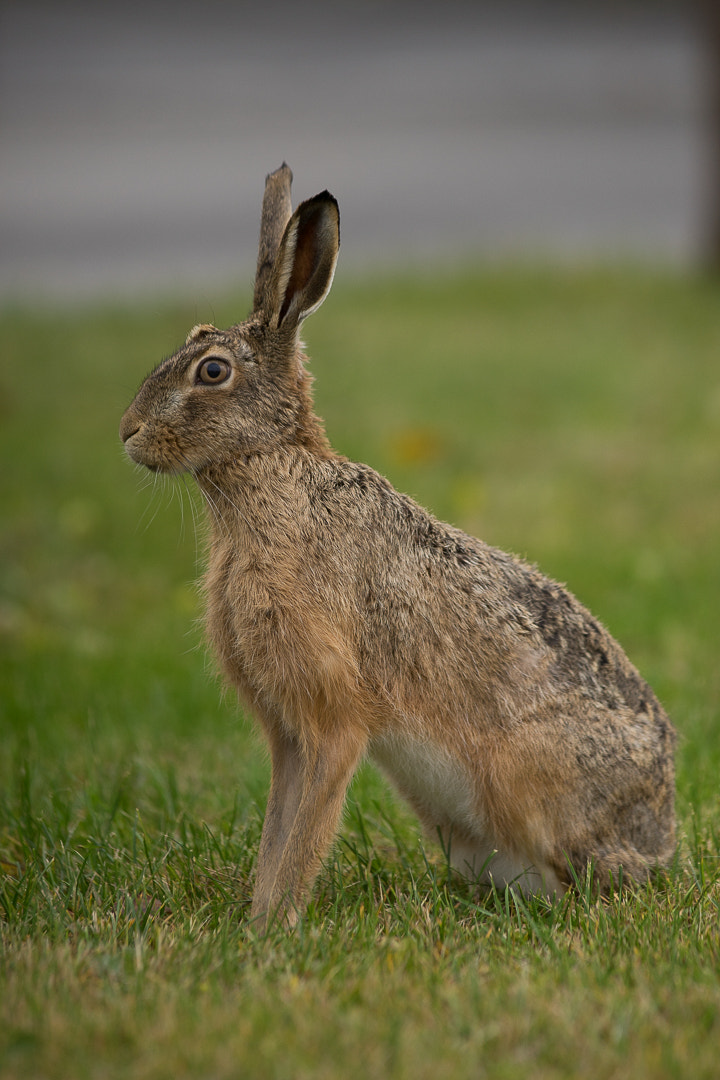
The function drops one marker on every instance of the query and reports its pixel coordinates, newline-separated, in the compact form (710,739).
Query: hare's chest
(274,638)
(248,622)
(242,611)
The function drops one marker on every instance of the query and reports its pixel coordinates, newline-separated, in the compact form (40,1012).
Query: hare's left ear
(305,263)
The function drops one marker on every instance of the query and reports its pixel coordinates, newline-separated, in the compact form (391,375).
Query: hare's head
(244,390)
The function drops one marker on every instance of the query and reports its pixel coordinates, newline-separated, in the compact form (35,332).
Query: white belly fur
(442,792)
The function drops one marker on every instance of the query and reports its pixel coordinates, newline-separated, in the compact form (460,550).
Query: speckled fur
(351,622)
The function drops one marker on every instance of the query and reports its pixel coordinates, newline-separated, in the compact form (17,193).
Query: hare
(351,622)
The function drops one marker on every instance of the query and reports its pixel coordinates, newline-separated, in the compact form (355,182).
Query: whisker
(190,492)
(177,493)
(234,505)
(213,507)
(152,507)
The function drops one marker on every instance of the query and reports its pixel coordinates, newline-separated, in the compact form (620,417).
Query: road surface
(134,138)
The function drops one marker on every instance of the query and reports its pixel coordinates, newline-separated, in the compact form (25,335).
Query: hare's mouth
(155,464)
(134,449)
(139,454)
(144,447)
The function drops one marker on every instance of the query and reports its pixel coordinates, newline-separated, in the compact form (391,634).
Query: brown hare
(351,622)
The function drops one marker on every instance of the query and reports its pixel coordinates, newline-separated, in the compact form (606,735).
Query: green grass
(573,417)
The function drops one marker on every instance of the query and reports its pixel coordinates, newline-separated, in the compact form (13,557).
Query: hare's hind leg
(479,860)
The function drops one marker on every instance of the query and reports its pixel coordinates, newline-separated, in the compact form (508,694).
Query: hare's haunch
(351,621)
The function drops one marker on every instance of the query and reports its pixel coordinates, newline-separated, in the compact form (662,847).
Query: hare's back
(439,608)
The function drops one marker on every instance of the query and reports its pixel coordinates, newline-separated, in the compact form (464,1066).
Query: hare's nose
(129,426)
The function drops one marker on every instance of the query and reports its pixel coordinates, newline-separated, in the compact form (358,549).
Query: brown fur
(352,622)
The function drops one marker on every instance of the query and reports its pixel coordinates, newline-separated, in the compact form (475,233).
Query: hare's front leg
(327,770)
(286,786)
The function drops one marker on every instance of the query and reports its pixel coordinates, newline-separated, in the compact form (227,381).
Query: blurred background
(135,137)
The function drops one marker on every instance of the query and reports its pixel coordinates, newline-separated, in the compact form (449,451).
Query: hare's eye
(213,371)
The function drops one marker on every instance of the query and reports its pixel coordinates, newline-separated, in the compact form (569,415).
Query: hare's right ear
(305,263)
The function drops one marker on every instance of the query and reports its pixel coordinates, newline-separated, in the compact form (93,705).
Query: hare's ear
(276,211)
(305,263)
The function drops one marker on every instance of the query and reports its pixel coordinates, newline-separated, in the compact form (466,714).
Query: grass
(573,417)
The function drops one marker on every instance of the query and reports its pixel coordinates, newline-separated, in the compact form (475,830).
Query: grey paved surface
(134,138)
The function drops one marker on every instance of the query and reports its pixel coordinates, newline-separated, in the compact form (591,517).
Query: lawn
(571,416)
